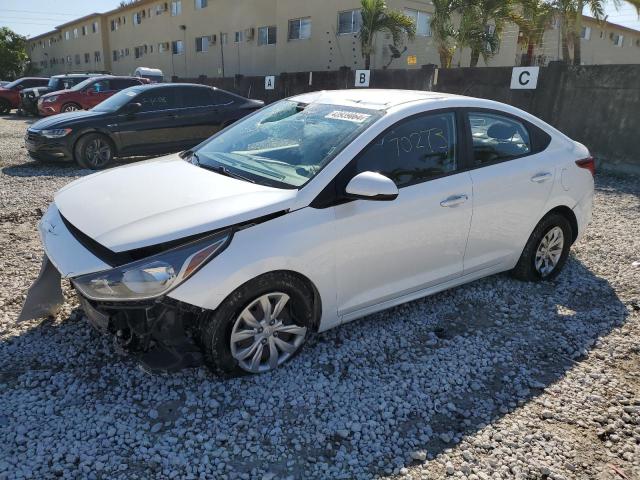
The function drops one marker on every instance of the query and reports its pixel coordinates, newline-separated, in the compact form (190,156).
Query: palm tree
(377,18)
(444,34)
(596,7)
(482,24)
(536,18)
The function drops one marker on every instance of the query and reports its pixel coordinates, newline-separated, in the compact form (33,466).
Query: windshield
(117,101)
(81,85)
(12,84)
(285,144)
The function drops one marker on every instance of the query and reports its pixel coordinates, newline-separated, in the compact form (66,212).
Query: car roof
(372,98)
(66,75)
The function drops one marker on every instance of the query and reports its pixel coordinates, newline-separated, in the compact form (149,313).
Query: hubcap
(70,108)
(549,251)
(264,335)
(98,153)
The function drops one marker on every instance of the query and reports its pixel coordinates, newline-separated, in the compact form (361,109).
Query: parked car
(3,83)
(310,213)
(86,94)
(142,120)
(29,96)
(10,93)
(154,75)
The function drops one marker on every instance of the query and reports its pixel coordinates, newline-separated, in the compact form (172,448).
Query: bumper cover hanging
(44,297)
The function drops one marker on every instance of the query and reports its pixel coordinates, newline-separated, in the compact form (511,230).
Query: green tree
(377,18)
(536,18)
(13,54)
(482,24)
(596,7)
(444,33)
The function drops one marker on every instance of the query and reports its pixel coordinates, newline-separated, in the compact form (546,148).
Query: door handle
(541,177)
(454,200)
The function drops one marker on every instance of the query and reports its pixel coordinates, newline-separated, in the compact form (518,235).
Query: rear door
(512,181)
(153,128)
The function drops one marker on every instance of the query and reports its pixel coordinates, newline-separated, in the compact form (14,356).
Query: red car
(10,93)
(85,95)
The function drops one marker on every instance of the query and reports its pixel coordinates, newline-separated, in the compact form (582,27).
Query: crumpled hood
(152,202)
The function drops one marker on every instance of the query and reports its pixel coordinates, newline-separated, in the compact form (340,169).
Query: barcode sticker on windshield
(355,117)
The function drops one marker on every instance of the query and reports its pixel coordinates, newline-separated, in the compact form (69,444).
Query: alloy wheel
(70,108)
(97,153)
(264,335)
(549,251)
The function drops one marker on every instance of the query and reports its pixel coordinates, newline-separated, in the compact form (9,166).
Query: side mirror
(19,87)
(371,186)
(131,108)
(90,91)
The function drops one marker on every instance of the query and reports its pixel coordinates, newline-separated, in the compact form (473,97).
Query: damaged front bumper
(158,331)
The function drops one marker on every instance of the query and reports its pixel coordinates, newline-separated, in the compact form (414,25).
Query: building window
(586,33)
(299,29)
(176,8)
(422,21)
(267,35)
(84,30)
(115,24)
(87,57)
(202,44)
(67,35)
(201,4)
(349,21)
(618,40)
(137,52)
(239,36)
(177,47)
(94,27)
(77,59)
(97,57)
(75,33)
(163,47)
(126,52)
(224,38)
(137,19)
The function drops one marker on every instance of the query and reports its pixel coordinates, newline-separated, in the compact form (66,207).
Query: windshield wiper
(222,170)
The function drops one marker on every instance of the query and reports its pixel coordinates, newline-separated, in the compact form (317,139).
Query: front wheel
(5,108)
(547,250)
(94,151)
(70,107)
(258,327)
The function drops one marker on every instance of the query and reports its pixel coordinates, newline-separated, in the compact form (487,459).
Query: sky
(33,17)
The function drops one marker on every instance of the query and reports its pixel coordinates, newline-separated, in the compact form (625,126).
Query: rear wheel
(94,151)
(70,107)
(258,327)
(546,251)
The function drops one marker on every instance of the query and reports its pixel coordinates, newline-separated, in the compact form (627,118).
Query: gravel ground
(496,379)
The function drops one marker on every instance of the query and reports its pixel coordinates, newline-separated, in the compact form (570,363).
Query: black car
(29,96)
(142,120)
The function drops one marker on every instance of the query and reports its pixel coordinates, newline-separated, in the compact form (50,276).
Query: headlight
(154,276)
(56,132)
(50,99)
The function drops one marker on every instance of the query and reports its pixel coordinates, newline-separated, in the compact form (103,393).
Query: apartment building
(189,38)
(76,46)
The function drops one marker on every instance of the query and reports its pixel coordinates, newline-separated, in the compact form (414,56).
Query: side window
(221,98)
(157,99)
(414,150)
(197,97)
(497,138)
(122,83)
(101,86)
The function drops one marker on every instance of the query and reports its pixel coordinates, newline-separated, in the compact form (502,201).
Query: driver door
(389,249)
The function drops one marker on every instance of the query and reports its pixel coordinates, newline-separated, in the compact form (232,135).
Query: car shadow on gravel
(365,399)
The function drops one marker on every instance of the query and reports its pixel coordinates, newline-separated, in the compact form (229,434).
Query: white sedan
(312,212)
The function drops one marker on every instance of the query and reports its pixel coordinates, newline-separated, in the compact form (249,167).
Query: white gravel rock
(496,379)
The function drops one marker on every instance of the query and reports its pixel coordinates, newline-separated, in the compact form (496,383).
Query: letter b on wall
(362,78)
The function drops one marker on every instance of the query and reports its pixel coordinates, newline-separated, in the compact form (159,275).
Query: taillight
(589,164)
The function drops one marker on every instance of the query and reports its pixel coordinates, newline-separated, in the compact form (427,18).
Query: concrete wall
(595,105)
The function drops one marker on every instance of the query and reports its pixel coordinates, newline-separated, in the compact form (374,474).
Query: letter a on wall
(269,82)
(524,78)
(362,78)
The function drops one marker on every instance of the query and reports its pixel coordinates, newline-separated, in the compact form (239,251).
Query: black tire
(215,330)
(526,267)
(86,148)
(70,107)
(5,107)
